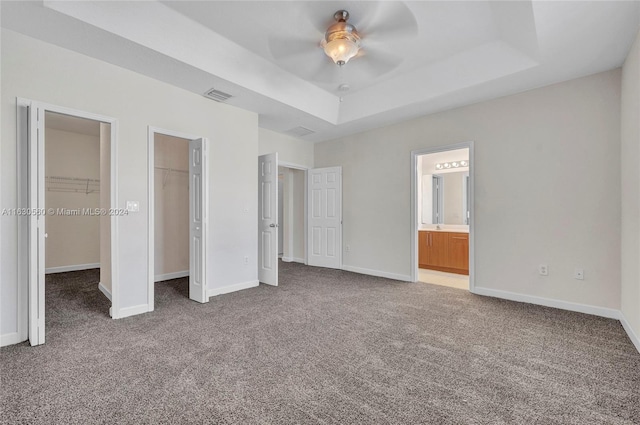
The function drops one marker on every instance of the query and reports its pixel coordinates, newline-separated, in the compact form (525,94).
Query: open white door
(325,217)
(197,220)
(268,219)
(36,225)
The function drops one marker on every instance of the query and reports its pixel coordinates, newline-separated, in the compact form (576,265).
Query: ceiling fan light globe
(340,50)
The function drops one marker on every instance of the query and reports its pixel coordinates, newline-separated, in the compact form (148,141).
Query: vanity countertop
(443,229)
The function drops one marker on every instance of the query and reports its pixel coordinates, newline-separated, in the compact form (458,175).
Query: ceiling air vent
(217,95)
(299,131)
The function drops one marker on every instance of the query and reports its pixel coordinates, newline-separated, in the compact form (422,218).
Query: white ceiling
(267,55)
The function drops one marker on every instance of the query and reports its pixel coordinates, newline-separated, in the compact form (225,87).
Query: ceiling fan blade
(393,21)
(328,72)
(373,63)
(283,48)
(304,58)
(320,13)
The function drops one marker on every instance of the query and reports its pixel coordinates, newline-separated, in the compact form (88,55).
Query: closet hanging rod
(172,170)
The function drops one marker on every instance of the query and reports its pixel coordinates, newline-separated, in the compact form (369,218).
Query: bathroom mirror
(445,198)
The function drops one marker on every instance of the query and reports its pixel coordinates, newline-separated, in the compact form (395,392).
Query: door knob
(46,235)
(273,225)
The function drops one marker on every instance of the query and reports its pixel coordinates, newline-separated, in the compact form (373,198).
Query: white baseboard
(169,276)
(548,302)
(104,290)
(394,276)
(132,311)
(10,339)
(72,268)
(293,260)
(635,339)
(232,288)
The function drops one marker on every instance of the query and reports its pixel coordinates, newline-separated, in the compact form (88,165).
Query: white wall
(171,209)
(290,150)
(631,189)
(40,71)
(546,189)
(73,240)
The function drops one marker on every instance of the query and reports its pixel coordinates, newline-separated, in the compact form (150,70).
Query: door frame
(294,166)
(25,311)
(151,132)
(414,206)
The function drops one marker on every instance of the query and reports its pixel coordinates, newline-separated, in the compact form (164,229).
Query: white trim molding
(294,260)
(10,339)
(378,273)
(169,276)
(635,338)
(104,290)
(72,268)
(232,288)
(609,313)
(134,310)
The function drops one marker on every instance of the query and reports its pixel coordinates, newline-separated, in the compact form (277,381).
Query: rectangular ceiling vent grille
(300,131)
(217,95)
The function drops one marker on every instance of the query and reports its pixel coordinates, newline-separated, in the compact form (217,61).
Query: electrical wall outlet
(578,274)
(543,269)
(246,260)
(347,248)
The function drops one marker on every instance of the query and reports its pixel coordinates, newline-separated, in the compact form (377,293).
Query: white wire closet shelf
(72,184)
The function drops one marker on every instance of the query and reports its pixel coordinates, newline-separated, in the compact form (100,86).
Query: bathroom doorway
(442,216)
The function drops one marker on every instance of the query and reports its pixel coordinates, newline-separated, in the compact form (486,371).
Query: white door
(36,225)
(197,220)
(325,217)
(268,219)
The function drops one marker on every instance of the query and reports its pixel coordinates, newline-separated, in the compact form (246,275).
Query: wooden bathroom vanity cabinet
(444,251)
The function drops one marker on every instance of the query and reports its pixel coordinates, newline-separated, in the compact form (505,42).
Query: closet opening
(177,215)
(443,216)
(171,211)
(77,220)
(291,213)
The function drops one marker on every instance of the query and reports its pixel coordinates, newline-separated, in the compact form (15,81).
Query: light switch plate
(133,206)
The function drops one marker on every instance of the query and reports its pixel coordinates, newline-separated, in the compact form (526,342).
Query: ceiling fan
(356,47)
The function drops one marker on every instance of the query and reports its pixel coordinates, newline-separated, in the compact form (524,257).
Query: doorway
(66,181)
(320,227)
(292,214)
(178,211)
(442,216)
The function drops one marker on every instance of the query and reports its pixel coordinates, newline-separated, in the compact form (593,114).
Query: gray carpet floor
(325,347)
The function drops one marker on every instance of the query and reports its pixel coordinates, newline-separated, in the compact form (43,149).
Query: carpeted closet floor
(325,347)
